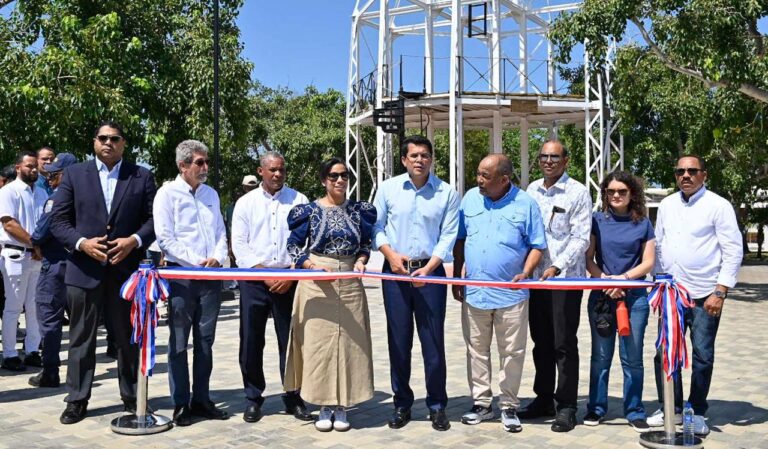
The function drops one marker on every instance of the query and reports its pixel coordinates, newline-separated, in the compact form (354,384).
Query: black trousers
(554,320)
(86,307)
(256,303)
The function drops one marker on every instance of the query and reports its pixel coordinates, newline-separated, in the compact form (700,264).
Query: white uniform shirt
(698,241)
(566,209)
(23,203)
(260,227)
(188,226)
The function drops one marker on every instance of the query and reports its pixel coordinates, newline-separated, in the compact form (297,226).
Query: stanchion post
(668,438)
(143,422)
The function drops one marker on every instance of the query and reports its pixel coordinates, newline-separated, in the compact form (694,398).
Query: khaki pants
(510,325)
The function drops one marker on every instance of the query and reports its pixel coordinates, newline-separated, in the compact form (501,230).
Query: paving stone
(738,415)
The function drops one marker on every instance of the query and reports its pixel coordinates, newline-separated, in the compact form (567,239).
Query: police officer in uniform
(51,293)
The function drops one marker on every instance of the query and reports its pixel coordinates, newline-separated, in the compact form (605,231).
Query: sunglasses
(612,192)
(53,175)
(335,176)
(201,162)
(113,139)
(691,171)
(551,157)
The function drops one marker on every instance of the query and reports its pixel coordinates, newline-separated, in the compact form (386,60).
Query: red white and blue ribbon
(670,299)
(144,289)
(279,274)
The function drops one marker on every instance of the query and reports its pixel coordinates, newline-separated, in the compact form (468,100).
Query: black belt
(415,264)
(171,264)
(17,247)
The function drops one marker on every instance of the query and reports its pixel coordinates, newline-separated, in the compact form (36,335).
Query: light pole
(216,56)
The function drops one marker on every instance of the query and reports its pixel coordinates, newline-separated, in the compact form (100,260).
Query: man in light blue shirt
(501,237)
(415,230)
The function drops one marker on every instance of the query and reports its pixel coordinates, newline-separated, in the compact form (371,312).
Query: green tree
(69,63)
(716,42)
(306,128)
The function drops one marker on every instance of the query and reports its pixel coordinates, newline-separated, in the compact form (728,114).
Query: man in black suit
(102,214)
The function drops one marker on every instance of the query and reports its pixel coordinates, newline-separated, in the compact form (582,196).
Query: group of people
(106,211)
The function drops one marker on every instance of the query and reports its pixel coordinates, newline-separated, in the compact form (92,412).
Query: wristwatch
(557,270)
(721,294)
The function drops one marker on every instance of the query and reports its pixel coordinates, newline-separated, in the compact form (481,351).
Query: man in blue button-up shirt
(415,230)
(501,237)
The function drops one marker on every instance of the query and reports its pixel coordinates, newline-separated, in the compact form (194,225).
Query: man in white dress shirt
(259,238)
(21,205)
(699,244)
(190,231)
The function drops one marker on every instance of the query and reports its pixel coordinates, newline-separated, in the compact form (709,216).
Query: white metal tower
(464,64)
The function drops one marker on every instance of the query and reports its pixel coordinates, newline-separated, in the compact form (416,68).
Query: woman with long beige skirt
(329,352)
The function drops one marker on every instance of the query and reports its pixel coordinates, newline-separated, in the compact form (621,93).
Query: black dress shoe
(439,420)
(252,413)
(34,359)
(75,412)
(42,379)
(565,420)
(299,411)
(182,415)
(538,408)
(208,410)
(400,417)
(13,364)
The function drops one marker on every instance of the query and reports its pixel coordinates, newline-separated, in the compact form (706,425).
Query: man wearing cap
(51,292)
(21,205)
(259,240)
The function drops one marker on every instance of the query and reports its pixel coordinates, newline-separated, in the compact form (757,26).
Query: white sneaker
(657,419)
(700,425)
(324,421)
(340,423)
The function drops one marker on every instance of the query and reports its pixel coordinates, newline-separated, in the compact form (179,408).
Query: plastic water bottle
(688,425)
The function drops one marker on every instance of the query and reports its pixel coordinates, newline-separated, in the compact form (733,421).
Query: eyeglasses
(612,192)
(53,175)
(551,157)
(335,176)
(691,171)
(201,162)
(113,138)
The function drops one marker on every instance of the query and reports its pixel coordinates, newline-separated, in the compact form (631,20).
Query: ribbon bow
(144,288)
(669,299)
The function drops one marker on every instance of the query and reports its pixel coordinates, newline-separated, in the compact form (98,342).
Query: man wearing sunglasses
(102,213)
(190,232)
(699,243)
(566,209)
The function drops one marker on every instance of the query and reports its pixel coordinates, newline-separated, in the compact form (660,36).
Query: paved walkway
(738,408)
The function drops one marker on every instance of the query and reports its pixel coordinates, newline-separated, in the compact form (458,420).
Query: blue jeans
(703,328)
(630,352)
(193,307)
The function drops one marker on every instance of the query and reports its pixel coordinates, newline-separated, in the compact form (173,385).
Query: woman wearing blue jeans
(622,246)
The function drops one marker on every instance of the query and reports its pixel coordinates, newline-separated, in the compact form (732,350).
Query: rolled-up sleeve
(729,238)
(379,228)
(449,229)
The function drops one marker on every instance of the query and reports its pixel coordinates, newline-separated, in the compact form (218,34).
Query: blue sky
(298,45)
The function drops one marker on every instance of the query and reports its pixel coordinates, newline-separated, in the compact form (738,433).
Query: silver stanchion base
(659,440)
(144,425)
